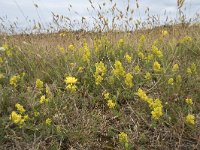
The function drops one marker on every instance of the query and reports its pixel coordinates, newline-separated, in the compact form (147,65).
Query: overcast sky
(21,9)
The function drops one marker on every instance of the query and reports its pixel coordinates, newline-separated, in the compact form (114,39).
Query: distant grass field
(109,88)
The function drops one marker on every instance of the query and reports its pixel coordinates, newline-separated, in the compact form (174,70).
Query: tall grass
(112,82)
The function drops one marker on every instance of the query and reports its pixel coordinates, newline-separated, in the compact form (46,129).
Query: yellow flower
(106,95)
(141,55)
(193,67)
(189,71)
(189,101)
(39,84)
(123,138)
(80,69)
(141,41)
(142,95)
(137,69)
(175,68)
(36,113)
(119,69)
(156,67)
(100,72)
(1,60)
(178,79)
(62,34)
(157,113)
(128,80)
(47,90)
(111,104)
(62,49)
(16,118)
(71,47)
(48,121)
(71,87)
(20,108)
(14,80)
(147,76)
(156,103)
(171,81)
(156,51)
(100,68)
(164,32)
(86,52)
(26,117)
(121,42)
(43,99)
(186,39)
(128,58)
(70,80)
(1,76)
(149,57)
(190,119)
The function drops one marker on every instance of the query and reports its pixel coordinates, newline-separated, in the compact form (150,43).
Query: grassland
(101,90)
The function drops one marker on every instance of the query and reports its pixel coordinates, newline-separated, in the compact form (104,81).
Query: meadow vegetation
(112,89)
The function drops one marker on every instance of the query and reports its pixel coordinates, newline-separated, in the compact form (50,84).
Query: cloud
(14,9)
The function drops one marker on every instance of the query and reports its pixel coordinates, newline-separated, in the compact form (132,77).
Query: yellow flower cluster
(14,80)
(192,70)
(71,47)
(155,105)
(157,113)
(123,138)
(142,95)
(70,82)
(157,109)
(164,33)
(156,51)
(147,76)
(121,43)
(189,101)
(43,99)
(18,118)
(1,76)
(186,39)
(62,34)
(106,95)
(129,80)
(128,58)
(141,42)
(48,121)
(110,103)
(156,67)
(190,119)
(86,52)
(137,69)
(171,81)
(141,55)
(175,68)
(20,108)
(178,79)
(1,60)
(149,57)
(97,43)
(100,72)
(61,49)
(119,69)
(7,49)
(39,84)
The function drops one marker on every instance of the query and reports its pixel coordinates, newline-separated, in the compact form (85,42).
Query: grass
(101,90)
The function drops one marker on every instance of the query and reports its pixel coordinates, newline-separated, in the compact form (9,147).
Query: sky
(24,10)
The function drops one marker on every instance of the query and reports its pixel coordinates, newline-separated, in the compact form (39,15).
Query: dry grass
(83,119)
